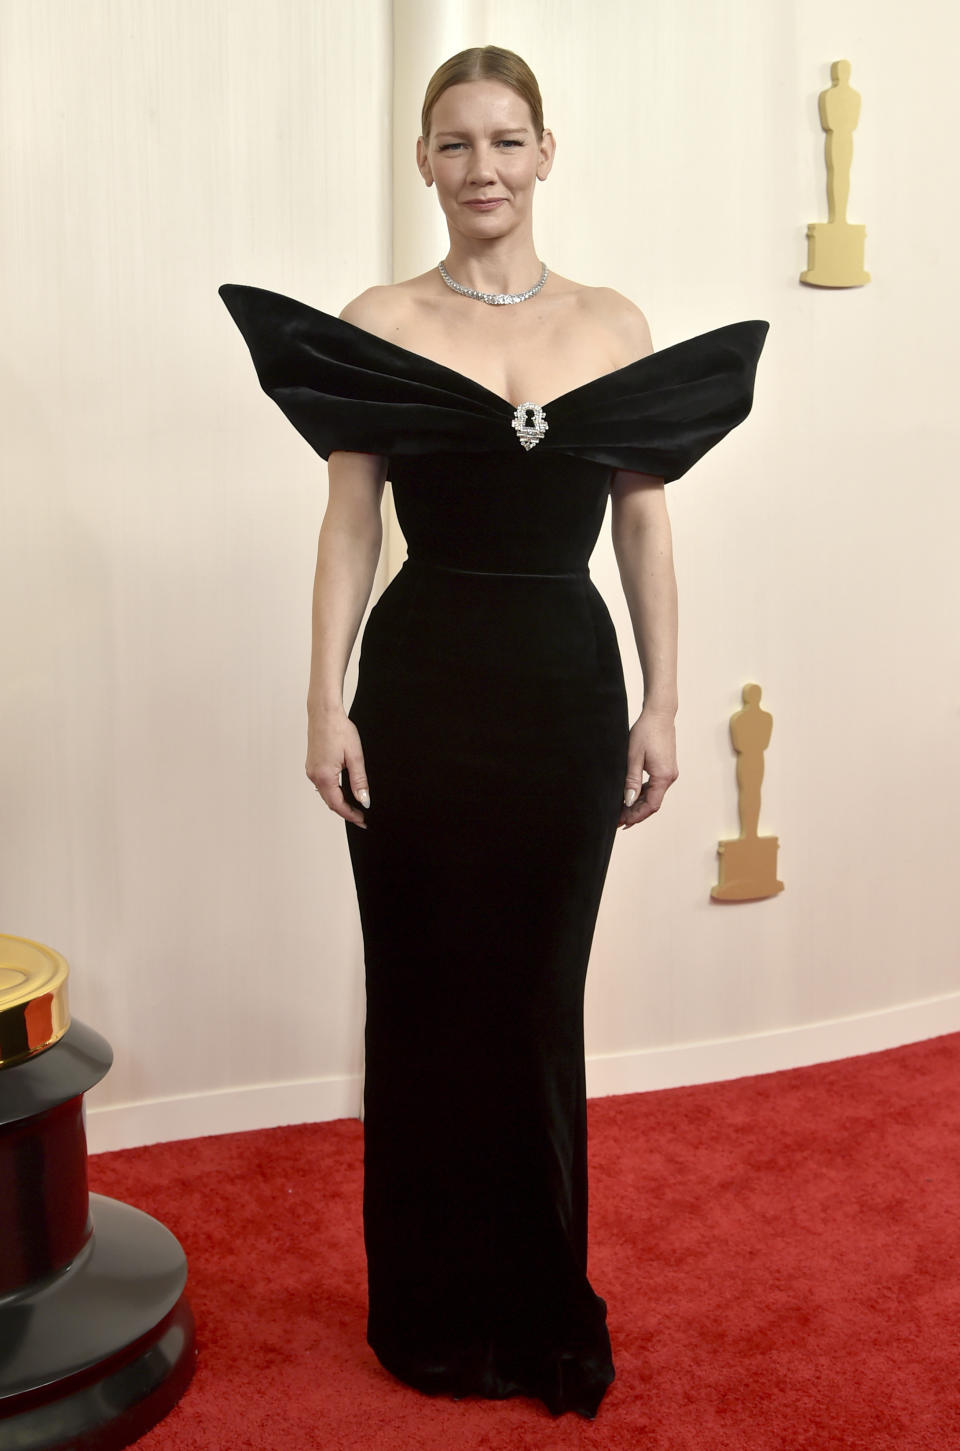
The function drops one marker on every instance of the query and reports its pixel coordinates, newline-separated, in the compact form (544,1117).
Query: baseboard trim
(268,1105)
(225,1111)
(770,1052)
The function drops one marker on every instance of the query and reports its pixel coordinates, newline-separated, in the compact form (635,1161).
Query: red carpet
(780,1256)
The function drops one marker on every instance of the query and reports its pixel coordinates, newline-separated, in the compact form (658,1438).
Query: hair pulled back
(484,63)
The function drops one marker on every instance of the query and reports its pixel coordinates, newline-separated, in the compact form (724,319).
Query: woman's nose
(481,165)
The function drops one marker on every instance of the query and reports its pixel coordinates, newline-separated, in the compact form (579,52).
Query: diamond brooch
(529,424)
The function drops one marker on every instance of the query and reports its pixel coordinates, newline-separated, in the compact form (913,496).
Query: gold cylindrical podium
(96,1334)
(33,998)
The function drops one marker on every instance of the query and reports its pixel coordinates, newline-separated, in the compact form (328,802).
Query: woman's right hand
(333,745)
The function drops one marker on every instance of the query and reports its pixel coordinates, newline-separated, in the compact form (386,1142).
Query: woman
(487,761)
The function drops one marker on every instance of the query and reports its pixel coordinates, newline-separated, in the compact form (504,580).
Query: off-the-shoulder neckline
(461,378)
(464,378)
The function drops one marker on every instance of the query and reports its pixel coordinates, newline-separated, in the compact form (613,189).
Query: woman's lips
(485,206)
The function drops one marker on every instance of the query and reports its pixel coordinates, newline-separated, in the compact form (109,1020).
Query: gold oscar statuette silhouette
(835,247)
(748,864)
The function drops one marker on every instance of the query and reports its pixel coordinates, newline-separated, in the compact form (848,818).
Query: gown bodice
(465,487)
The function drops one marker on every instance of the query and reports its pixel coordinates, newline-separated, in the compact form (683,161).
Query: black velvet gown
(491,710)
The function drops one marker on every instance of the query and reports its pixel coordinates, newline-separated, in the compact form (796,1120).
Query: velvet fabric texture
(491,708)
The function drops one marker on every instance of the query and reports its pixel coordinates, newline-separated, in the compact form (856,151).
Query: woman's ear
(548,149)
(423,164)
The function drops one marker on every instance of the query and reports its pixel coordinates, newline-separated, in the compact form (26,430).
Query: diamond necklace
(496,299)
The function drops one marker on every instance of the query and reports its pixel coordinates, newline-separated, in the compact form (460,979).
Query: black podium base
(95,1355)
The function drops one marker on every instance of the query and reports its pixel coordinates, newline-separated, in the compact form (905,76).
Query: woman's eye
(458,145)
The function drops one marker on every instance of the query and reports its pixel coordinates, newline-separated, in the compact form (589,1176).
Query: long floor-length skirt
(492,715)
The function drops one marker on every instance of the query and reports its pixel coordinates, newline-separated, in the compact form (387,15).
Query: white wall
(160,523)
(160,519)
(814,548)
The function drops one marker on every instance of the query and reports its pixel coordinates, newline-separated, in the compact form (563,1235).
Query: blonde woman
(487,759)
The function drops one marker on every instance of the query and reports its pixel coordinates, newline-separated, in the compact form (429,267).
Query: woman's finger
(338,802)
(648,802)
(354,767)
(331,793)
(654,792)
(633,781)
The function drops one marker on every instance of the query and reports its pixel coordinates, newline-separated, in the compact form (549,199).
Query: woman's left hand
(652,748)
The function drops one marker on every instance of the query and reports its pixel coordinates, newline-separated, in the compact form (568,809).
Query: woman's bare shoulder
(375,310)
(383,310)
(606,308)
(624,318)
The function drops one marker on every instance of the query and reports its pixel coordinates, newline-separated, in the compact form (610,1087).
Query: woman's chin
(483,226)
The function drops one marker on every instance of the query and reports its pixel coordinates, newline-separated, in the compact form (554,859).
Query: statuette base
(748,869)
(835,255)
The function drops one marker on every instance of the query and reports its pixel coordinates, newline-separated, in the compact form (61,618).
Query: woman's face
(483,157)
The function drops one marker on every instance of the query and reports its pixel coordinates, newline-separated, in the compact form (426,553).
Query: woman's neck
(503,264)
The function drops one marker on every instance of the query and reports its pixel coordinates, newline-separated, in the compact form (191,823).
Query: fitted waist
(415,563)
(466,625)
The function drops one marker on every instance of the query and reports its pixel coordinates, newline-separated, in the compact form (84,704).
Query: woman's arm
(643,545)
(347,553)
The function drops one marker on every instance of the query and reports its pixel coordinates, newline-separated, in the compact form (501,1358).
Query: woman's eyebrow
(500,131)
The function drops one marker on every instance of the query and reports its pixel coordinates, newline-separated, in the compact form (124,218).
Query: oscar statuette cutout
(835,247)
(748,863)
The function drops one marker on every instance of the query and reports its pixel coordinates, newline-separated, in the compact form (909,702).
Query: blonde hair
(484,63)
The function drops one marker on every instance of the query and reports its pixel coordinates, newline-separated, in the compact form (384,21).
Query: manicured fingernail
(363,796)
(630,796)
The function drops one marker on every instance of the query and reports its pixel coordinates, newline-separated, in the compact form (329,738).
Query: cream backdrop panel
(160,521)
(162,515)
